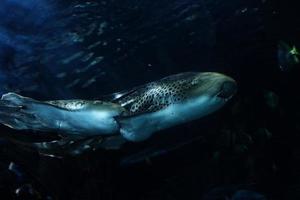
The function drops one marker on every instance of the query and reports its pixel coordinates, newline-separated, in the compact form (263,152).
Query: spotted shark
(134,114)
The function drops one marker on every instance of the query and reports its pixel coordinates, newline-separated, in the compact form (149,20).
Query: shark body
(134,114)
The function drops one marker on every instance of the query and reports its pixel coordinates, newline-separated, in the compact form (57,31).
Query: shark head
(214,86)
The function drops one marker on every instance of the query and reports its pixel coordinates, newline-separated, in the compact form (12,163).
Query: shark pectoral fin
(135,129)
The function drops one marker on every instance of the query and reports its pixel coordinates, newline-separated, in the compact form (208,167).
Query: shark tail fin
(22,113)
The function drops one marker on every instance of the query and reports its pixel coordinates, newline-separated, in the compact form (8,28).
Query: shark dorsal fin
(117,96)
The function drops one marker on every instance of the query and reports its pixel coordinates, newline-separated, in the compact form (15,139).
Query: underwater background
(67,49)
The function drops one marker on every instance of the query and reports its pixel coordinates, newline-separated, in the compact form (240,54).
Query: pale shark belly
(88,123)
(141,127)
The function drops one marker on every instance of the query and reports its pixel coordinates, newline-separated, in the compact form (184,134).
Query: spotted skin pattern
(157,95)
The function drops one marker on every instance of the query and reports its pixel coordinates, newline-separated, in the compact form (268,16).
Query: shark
(132,115)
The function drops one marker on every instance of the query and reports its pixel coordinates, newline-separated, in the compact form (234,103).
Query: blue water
(56,49)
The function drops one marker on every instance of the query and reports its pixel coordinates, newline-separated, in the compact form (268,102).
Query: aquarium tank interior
(149,100)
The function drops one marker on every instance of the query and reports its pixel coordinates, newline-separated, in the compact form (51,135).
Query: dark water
(51,49)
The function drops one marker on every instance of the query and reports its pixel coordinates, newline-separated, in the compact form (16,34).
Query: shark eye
(228,89)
